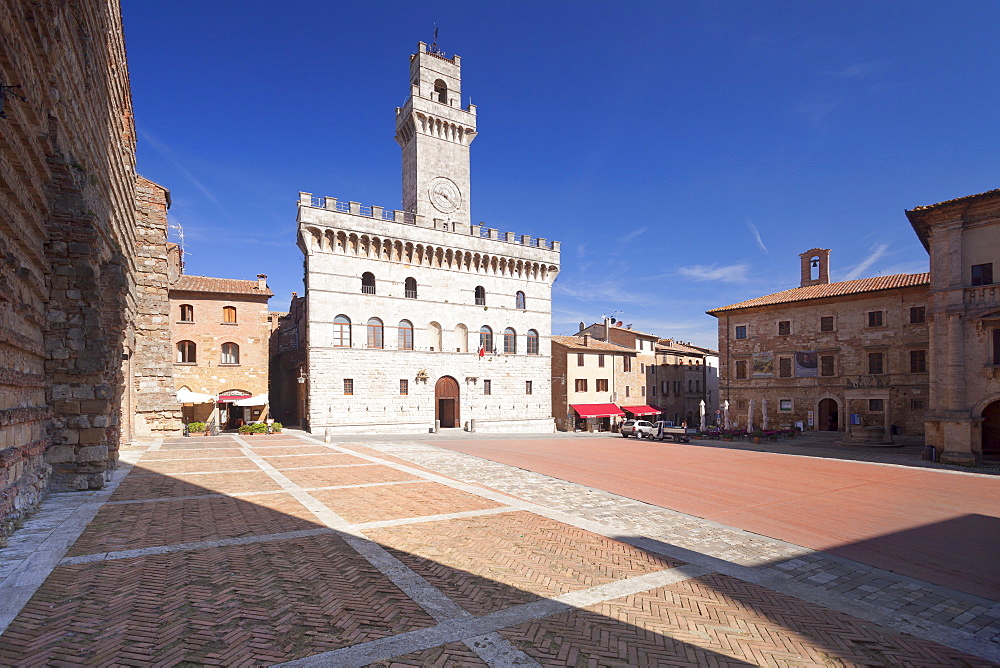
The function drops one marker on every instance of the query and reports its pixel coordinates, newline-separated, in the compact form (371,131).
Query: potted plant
(757,435)
(276,427)
(196,428)
(245,429)
(258,428)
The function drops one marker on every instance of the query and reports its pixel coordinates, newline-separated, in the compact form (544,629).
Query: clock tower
(435,133)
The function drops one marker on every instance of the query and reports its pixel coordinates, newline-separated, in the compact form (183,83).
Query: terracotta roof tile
(625,329)
(838,289)
(576,343)
(230,286)
(957,199)
(677,347)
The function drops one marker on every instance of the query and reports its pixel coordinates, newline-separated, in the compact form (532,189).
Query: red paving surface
(932,525)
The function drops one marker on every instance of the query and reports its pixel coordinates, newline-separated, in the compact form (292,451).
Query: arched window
(461,338)
(229,314)
(486,339)
(374,333)
(230,353)
(187,313)
(342,331)
(405,329)
(187,352)
(368,283)
(434,335)
(411,288)
(441,91)
(480,296)
(519,300)
(509,341)
(532,342)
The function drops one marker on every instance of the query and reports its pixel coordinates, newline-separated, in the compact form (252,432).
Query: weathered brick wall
(151,377)
(67,190)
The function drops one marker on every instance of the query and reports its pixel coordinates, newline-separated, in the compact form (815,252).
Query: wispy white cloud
(732,273)
(167,154)
(581,250)
(817,106)
(877,251)
(861,70)
(608,291)
(756,235)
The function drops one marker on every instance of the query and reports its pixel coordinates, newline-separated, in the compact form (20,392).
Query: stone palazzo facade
(419,318)
(82,252)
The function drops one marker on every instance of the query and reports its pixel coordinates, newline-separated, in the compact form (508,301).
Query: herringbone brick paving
(515,558)
(133,526)
(283,599)
(296,460)
(173,467)
(256,604)
(367,504)
(715,619)
(189,453)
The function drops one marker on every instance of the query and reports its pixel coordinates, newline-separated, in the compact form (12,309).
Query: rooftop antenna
(434,45)
(180,236)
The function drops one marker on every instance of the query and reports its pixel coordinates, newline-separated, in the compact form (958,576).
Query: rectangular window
(642,368)
(579,359)
(642,390)
(580,385)
(784,404)
(784,328)
(677,387)
(487,387)
(876,363)
(784,367)
(404,386)
(826,323)
(741,369)
(875,318)
(826,366)
(741,404)
(602,384)
(600,360)
(628,391)
(918,314)
(982,274)
(917,404)
(918,361)
(876,405)
(652,390)
(528,387)
(626,364)
(348,386)
(741,331)
(665,387)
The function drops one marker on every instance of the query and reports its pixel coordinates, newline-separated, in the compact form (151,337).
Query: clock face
(445,195)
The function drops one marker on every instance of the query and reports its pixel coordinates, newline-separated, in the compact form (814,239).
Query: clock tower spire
(435,133)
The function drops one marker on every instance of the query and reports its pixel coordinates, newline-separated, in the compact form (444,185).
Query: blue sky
(684,153)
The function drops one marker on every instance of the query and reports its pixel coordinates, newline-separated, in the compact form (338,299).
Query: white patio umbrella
(750,416)
(701,412)
(763,410)
(186,396)
(725,413)
(259,400)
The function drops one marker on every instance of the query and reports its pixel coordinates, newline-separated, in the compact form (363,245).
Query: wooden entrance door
(446,402)
(829,416)
(991,431)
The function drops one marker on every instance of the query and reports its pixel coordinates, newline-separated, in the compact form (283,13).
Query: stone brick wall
(151,397)
(67,229)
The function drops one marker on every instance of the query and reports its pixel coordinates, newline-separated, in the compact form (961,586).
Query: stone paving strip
(912,606)
(451,561)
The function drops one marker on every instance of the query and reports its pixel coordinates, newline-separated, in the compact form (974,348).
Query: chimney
(586,340)
(262,282)
(607,329)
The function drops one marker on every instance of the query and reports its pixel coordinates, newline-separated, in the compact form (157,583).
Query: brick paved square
(197,465)
(489,563)
(296,460)
(714,620)
(292,449)
(132,526)
(370,504)
(345,475)
(155,485)
(452,654)
(238,605)
(191,453)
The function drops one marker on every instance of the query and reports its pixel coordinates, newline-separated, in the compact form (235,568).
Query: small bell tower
(815,267)
(435,133)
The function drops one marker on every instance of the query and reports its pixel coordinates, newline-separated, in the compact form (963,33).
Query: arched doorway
(829,415)
(991,431)
(446,402)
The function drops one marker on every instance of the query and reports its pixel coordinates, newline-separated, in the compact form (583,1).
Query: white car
(637,428)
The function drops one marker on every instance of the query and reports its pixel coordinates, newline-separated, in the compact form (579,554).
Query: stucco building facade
(418,317)
(589,376)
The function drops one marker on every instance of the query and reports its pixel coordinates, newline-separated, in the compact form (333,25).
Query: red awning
(642,410)
(230,398)
(597,410)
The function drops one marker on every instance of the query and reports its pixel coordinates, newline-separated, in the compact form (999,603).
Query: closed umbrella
(725,413)
(750,417)
(701,411)
(763,411)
